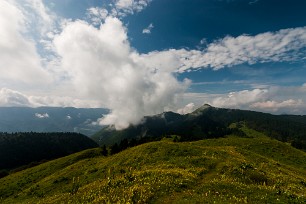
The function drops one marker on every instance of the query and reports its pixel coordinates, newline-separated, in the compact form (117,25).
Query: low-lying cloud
(190,107)
(274,106)
(10,98)
(42,115)
(273,99)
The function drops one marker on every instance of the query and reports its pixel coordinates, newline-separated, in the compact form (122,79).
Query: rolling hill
(232,169)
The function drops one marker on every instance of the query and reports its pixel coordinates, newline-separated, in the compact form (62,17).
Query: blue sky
(143,57)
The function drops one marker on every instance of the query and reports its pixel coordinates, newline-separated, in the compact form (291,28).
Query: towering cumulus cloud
(103,66)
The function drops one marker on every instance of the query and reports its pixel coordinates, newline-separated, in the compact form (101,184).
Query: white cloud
(19,60)
(124,7)
(68,117)
(10,98)
(239,99)
(40,24)
(40,16)
(148,29)
(97,15)
(187,109)
(62,101)
(107,69)
(42,115)
(274,106)
(273,99)
(280,46)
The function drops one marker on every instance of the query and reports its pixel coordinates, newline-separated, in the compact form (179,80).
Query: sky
(143,57)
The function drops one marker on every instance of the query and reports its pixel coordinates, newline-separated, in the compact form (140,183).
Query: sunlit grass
(254,169)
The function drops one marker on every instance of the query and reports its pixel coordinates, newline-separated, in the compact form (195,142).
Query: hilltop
(232,169)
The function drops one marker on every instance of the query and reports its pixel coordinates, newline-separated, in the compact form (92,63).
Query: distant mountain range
(50,119)
(209,122)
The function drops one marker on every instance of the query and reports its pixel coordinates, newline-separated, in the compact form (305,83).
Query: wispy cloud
(283,45)
(125,7)
(253,2)
(97,15)
(148,29)
(118,9)
(43,20)
(240,98)
(11,98)
(274,106)
(224,82)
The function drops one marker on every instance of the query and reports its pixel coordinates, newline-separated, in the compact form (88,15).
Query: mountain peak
(201,109)
(206,105)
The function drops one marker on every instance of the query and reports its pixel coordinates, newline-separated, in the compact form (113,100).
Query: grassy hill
(253,169)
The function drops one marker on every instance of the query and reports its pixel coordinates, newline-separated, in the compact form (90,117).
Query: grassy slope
(226,170)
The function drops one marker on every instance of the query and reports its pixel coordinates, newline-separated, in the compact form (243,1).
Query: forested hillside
(210,122)
(20,149)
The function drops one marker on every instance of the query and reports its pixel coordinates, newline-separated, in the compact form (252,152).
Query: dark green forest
(21,150)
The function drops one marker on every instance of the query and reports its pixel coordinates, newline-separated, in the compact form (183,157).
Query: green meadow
(250,169)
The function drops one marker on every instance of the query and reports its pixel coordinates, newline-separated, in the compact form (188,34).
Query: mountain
(209,122)
(50,119)
(231,169)
(21,149)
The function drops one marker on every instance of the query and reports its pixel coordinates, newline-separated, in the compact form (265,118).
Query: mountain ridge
(208,122)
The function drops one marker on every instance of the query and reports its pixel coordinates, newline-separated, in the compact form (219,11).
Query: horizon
(144,57)
(179,111)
